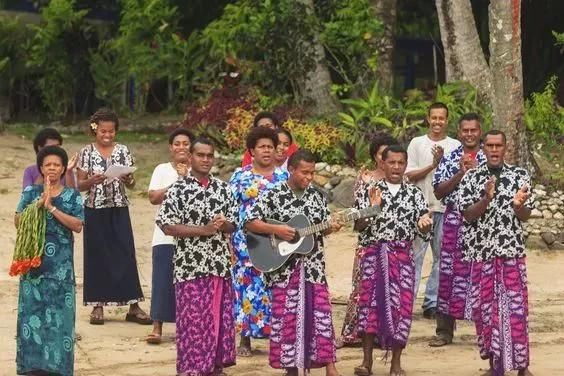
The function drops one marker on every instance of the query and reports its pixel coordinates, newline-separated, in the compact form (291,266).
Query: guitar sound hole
(296,238)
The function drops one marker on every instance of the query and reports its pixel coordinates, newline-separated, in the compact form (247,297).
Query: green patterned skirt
(46,316)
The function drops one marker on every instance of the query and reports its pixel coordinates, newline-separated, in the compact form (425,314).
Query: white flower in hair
(93,126)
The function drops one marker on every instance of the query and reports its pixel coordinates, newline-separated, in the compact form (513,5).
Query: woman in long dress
(46,304)
(349,336)
(252,306)
(163,300)
(110,267)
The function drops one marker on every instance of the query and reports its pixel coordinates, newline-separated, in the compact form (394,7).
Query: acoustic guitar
(268,252)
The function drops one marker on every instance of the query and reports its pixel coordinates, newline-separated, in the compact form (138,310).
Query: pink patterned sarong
(205,329)
(386,293)
(455,273)
(500,312)
(302,327)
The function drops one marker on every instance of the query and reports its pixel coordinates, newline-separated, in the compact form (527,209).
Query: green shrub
(543,116)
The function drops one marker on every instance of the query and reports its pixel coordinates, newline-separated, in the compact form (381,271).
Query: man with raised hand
(494,199)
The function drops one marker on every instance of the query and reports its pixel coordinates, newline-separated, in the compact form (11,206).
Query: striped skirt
(501,311)
(454,272)
(386,293)
(302,327)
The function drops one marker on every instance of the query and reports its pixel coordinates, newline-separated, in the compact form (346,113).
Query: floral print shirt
(190,203)
(282,204)
(399,216)
(57,261)
(498,232)
(247,186)
(448,167)
(110,193)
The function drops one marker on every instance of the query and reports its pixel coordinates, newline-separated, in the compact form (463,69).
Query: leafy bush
(320,137)
(543,116)
(350,35)
(51,55)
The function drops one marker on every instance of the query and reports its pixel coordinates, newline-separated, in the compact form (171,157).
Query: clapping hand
(467,163)
(46,196)
(438,153)
(425,223)
(521,197)
(182,169)
(490,188)
(365,175)
(72,162)
(375,196)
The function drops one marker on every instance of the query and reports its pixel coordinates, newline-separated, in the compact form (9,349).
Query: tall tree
(317,84)
(499,80)
(386,11)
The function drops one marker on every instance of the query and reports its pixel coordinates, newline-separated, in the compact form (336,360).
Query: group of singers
(459,196)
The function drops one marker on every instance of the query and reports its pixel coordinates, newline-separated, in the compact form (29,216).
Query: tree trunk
(464,58)
(386,11)
(507,78)
(317,85)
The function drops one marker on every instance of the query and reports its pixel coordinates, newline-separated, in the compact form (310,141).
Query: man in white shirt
(424,154)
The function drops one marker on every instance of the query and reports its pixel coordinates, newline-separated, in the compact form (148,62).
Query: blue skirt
(46,317)
(163,301)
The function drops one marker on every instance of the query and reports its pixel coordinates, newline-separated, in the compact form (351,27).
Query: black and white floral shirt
(281,203)
(498,232)
(190,203)
(110,193)
(399,216)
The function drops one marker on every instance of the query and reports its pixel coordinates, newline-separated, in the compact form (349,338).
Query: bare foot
(331,370)
(244,349)
(487,373)
(291,372)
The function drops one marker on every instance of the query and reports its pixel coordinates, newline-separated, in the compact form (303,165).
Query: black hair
(286,132)
(267,115)
(45,134)
(258,133)
(378,142)
(394,149)
(470,116)
(104,114)
(180,131)
(496,132)
(52,150)
(203,141)
(301,155)
(437,105)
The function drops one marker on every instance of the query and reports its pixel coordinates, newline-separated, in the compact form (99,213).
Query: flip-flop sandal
(362,371)
(439,342)
(96,319)
(139,318)
(244,352)
(401,372)
(154,339)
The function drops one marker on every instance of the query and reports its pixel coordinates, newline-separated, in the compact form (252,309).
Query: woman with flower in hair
(46,304)
(252,306)
(110,268)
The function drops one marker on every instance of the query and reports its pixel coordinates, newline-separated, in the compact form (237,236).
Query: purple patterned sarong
(500,312)
(302,327)
(455,273)
(205,329)
(386,293)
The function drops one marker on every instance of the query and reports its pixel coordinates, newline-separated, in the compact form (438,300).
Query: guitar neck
(351,216)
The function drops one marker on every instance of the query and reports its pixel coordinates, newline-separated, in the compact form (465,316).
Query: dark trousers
(445,326)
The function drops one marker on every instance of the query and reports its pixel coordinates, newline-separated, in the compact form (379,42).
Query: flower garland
(30,240)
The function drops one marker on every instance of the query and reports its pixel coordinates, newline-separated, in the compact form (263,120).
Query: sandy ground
(117,348)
